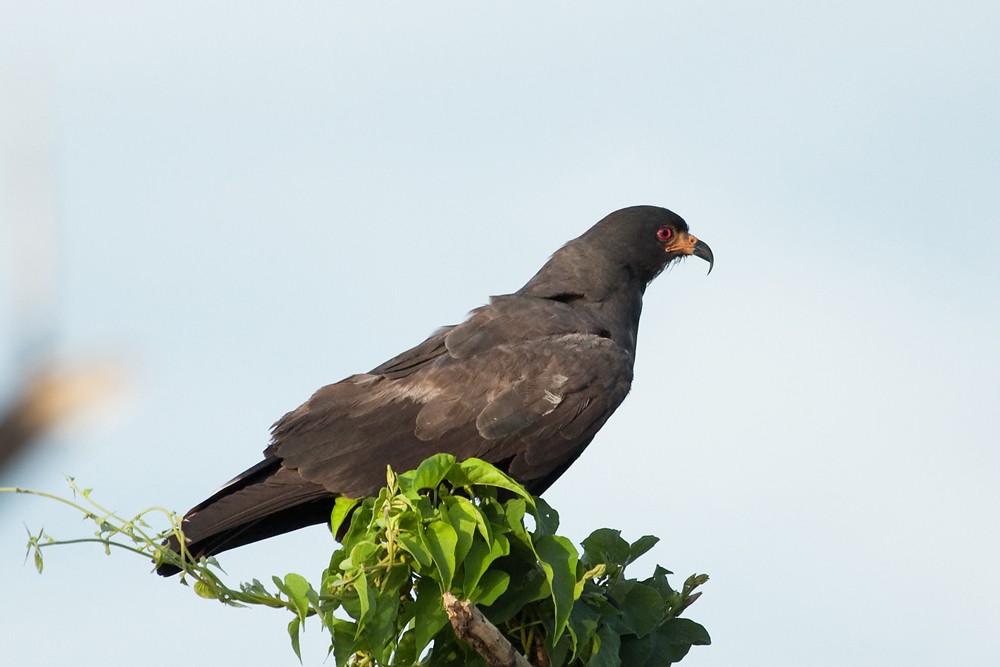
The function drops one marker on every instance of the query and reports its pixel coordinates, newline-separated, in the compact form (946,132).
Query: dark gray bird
(524,383)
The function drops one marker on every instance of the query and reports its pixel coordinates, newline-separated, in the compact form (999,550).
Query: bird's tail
(262,502)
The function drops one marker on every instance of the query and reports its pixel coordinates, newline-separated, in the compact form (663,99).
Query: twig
(474,629)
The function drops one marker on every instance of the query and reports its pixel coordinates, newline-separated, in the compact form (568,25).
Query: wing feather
(529,403)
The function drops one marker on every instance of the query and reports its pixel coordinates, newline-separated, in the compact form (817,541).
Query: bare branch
(474,629)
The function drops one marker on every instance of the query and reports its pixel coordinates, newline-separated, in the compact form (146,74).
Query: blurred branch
(50,397)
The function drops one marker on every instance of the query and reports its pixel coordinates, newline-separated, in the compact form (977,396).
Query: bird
(524,383)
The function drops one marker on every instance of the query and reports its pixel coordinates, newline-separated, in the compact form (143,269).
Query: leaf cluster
(467,528)
(448,526)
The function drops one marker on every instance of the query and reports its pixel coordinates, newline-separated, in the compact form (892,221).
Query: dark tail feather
(264,501)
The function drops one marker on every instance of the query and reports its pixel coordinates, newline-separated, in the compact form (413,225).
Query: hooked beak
(702,250)
(688,244)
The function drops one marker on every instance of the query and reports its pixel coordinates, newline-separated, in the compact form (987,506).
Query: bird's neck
(618,313)
(609,294)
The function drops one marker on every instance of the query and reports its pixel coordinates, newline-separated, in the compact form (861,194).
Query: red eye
(664,233)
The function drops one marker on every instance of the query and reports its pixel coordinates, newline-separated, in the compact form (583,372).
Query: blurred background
(209,210)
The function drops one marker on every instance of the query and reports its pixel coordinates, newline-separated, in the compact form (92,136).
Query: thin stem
(96,540)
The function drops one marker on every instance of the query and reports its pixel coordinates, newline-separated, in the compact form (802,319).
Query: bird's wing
(515,391)
(416,357)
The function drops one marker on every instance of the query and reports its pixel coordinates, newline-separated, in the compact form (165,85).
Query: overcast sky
(252,200)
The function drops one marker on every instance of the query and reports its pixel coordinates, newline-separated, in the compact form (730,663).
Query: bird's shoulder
(506,320)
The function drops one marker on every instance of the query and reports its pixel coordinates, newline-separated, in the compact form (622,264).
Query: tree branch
(49,396)
(474,629)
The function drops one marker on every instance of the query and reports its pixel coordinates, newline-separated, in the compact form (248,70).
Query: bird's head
(645,239)
(630,246)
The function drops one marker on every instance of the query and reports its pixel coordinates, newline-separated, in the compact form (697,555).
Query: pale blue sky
(253,201)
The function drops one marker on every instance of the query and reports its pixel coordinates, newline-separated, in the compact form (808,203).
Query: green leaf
(490,587)
(364,553)
(605,546)
(641,609)
(686,631)
(477,472)
(297,589)
(428,613)
(514,510)
(293,633)
(416,547)
(527,584)
(476,514)
(479,559)
(424,509)
(607,649)
(659,582)
(406,650)
(341,510)
(463,517)
(559,651)
(366,599)
(380,627)
(583,622)
(667,644)
(348,599)
(547,519)
(398,578)
(441,540)
(641,546)
(344,640)
(358,527)
(558,558)
(429,474)
(595,597)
